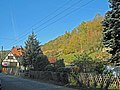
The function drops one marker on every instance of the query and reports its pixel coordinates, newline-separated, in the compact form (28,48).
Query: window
(10,57)
(13,64)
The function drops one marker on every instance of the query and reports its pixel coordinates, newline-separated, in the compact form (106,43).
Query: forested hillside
(86,38)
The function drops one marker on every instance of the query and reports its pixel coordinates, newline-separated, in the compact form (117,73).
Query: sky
(47,18)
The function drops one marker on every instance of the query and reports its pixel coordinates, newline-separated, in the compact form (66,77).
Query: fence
(98,81)
(82,80)
(51,76)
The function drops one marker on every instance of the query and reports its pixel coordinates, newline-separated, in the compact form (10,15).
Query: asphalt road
(14,83)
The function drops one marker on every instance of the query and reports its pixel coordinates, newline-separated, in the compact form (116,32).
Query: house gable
(10,58)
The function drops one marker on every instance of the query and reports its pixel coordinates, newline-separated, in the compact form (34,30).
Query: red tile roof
(51,59)
(17,51)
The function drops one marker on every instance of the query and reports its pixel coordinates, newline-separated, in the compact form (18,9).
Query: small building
(12,60)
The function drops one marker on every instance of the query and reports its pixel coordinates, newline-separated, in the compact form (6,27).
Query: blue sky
(18,16)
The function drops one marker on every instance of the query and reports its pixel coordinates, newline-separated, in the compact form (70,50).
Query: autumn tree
(86,37)
(111,32)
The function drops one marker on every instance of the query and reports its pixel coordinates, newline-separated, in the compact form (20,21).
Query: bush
(100,68)
(49,68)
(41,63)
(59,63)
(63,69)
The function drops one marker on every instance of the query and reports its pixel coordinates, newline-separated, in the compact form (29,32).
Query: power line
(44,19)
(52,17)
(52,13)
(64,16)
(6,39)
(55,15)
(47,16)
(59,13)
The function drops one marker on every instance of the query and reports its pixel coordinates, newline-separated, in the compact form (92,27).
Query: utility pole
(1,55)
(1,59)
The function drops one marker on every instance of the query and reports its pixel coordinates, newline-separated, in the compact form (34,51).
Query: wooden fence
(98,81)
(85,79)
(47,75)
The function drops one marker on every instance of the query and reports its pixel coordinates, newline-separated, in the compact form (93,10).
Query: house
(12,59)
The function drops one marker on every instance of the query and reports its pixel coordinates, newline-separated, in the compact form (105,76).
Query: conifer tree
(111,32)
(33,54)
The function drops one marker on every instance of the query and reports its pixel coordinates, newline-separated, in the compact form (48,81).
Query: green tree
(81,61)
(33,56)
(111,32)
(60,63)
(41,62)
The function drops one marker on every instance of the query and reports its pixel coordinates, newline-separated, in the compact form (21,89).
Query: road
(14,83)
